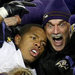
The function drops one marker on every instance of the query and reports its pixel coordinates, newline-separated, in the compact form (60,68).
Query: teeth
(57,37)
(34,51)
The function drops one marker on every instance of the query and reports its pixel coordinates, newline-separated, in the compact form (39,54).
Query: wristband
(3,12)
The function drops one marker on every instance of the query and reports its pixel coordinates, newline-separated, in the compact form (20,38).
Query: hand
(17,7)
(19,71)
(12,21)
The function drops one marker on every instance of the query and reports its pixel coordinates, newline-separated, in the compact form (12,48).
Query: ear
(17,39)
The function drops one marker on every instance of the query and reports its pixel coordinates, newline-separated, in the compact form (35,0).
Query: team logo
(62,64)
(73,27)
(45,16)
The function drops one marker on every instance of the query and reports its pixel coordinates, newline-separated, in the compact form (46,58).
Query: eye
(43,43)
(50,26)
(33,37)
(62,24)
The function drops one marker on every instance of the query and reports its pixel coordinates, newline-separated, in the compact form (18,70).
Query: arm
(12,21)
(14,8)
(10,9)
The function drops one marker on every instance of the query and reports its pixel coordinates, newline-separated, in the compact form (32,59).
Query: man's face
(58,33)
(32,43)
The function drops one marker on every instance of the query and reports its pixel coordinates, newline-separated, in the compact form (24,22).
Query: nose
(56,29)
(38,45)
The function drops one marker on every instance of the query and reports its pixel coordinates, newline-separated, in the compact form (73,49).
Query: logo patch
(62,64)
(45,16)
(73,27)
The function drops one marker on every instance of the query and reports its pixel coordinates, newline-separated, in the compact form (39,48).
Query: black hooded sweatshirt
(53,63)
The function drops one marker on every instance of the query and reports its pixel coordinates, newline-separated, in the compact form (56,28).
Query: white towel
(10,58)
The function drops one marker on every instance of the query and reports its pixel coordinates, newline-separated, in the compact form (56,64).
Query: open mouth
(34,52)
(57,39)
